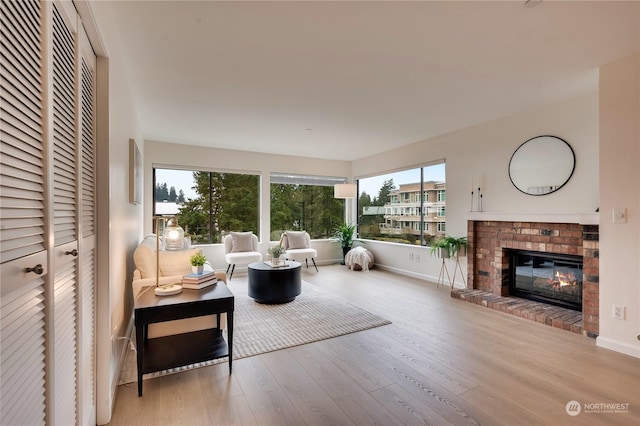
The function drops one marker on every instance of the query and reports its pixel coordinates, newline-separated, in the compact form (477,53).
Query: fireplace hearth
(546,277)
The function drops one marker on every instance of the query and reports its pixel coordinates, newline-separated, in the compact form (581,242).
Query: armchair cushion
(176,262)
(241,242)
(171,262)
(145,257)
(297,239)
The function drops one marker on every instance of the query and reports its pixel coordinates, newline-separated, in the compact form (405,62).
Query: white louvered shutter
(22,215)
(87,242)
(65,220)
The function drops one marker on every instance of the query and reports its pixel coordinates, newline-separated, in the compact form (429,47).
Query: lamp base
(168,290)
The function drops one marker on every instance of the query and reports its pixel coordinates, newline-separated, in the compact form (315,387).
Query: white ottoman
(359,259)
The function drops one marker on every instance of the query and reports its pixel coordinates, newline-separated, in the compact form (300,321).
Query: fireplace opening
(546,277)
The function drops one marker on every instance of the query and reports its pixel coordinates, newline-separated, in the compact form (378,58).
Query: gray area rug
(312,316)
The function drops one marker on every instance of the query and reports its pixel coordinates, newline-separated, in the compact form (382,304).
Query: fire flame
(565,279)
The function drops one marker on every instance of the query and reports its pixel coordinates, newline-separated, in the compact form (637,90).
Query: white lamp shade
(345,190)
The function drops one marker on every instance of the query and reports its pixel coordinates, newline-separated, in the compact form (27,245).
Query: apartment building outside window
(410,205)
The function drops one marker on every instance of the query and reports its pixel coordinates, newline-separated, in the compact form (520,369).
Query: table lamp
(173,235)
(172,239)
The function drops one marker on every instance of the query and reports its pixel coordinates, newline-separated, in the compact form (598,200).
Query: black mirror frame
(559,186)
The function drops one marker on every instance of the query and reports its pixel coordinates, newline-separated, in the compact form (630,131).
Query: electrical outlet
(619,312)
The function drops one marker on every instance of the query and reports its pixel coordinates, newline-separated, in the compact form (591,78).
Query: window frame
(306,180)
(211,220)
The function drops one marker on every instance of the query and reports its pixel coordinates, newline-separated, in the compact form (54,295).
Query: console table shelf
(204,345)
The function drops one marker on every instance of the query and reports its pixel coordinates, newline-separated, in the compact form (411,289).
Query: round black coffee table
(274,285)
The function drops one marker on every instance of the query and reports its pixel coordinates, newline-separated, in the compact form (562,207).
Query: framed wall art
(135,173)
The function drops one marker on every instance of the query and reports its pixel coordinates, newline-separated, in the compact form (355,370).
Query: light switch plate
(619,215)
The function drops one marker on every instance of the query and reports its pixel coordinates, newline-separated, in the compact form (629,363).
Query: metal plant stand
(443,272)
(455,270)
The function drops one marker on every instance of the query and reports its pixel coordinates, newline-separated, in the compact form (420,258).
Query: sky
(180,179)
(183,179)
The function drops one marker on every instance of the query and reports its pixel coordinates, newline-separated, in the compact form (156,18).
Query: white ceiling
(345,80)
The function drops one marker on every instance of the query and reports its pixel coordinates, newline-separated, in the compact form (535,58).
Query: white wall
(484,151)
(119,222)
(167,155)
(620,187)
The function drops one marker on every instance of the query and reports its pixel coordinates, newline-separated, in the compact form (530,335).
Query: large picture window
(301,202)
(208,205)
(403,207)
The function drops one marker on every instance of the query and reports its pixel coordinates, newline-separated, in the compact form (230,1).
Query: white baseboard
(406,273)
(618,346)
(432,279)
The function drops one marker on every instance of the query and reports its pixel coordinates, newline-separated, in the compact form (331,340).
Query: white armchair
(173,265)
(298,247)
(240,249)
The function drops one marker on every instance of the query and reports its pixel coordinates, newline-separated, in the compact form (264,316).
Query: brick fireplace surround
(488,267)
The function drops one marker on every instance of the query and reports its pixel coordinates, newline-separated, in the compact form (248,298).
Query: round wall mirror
(542,165)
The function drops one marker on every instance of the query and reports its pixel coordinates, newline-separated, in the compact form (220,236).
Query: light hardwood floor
(441,362)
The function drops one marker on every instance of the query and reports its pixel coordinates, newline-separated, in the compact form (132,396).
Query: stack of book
(198,281)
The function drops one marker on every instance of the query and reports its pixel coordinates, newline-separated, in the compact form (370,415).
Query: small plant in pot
(457,246)
(276,252)
(447,246)
(441,247)
(197,263)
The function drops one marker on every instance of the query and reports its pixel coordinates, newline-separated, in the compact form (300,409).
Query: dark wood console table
(162,353)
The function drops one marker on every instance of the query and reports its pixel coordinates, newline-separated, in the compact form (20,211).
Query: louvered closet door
(65,220)
(87,242)
(22,215)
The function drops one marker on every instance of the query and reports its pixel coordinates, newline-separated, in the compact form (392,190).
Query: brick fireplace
(490,243)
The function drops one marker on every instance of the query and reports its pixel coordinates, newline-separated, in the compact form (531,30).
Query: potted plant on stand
(446,247)
(441,247)
(457,246)
(197,263)
(344,235)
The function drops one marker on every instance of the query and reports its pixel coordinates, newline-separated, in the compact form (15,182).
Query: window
(300,202)
(396,207)
(441,227)
(208,205)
